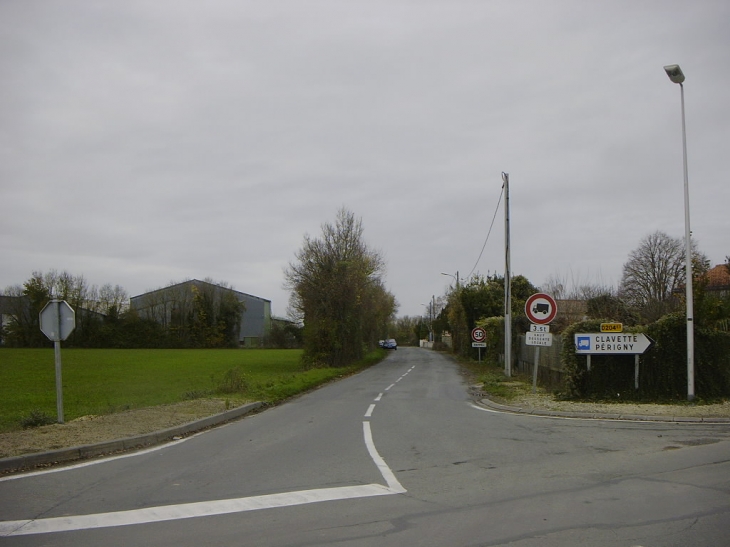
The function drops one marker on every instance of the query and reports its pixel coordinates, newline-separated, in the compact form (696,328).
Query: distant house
(168,304)
(718,280)
(571,311)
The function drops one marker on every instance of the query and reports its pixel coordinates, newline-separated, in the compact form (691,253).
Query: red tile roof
(718,277)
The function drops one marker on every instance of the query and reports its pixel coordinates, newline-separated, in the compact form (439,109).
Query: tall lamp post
(455,277)
(677,76)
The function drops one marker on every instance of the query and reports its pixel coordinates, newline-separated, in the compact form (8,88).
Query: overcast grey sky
(144,142)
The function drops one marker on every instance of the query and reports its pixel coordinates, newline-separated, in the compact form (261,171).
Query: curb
(598,416)
(87,451)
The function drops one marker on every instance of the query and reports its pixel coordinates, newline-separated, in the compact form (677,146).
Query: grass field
(99,381)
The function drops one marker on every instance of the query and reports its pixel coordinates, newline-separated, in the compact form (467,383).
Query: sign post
(57,320)
(479,337)
(540,309)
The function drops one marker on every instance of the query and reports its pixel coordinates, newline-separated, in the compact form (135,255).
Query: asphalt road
(395,456)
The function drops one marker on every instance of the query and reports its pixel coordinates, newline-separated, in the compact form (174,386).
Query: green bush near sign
(666,364)
(663,369)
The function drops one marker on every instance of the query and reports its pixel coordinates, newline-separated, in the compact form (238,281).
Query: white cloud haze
(148,142)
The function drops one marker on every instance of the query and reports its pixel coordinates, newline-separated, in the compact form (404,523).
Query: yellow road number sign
(612,327)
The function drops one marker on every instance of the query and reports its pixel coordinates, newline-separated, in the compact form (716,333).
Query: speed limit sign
(478,334)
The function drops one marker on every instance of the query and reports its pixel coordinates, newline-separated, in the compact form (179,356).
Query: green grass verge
(491,377)
(97,381)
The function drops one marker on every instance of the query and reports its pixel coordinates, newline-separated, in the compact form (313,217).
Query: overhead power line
(496,209)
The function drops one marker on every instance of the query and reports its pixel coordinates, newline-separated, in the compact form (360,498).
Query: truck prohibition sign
(541,308)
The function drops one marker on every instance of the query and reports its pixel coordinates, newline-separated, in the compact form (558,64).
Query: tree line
(650,298)
(201,315)
(651,287)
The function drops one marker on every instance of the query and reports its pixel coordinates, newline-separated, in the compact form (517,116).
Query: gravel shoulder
(543,401)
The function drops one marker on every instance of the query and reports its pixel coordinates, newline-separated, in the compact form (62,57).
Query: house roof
(718,277)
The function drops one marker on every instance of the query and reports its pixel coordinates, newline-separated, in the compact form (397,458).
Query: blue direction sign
(621,343)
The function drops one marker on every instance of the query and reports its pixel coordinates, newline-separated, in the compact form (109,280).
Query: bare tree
(655,273)
(112,300)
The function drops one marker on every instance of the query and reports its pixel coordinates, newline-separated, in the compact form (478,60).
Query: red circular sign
(478,334)
(541,308)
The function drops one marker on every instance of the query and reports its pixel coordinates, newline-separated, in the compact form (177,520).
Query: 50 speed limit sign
(479,334)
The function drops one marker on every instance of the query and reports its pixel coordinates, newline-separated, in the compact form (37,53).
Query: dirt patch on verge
(95,429)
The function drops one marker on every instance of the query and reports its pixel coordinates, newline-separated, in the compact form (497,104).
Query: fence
(550,368)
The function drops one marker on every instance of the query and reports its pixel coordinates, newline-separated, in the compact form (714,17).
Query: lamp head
(675,73)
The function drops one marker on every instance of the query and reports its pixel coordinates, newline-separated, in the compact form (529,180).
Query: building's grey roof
(198,282)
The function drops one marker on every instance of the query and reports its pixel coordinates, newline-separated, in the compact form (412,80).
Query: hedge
(662,369)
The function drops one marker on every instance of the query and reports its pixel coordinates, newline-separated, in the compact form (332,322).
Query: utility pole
(507,283)
(433,316)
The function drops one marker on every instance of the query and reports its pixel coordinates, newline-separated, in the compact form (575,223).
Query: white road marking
(393,484)
(390,386)
(370,411)
(380,396)
(189,510)
(209,508)
(99,461)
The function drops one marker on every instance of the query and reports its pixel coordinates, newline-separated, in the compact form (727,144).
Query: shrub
(36,418)
(666,362)
(233,382)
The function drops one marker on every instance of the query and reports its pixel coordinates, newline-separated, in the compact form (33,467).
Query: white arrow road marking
(212,508)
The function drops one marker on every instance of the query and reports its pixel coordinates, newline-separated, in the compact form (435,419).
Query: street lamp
(455,277)
(677,76)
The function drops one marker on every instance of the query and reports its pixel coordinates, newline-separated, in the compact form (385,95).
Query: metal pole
(688,267)
(57,358)
(507,283)
(534,372)
(433,314)
(59,383)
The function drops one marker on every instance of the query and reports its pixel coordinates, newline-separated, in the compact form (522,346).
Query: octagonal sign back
(58,320)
